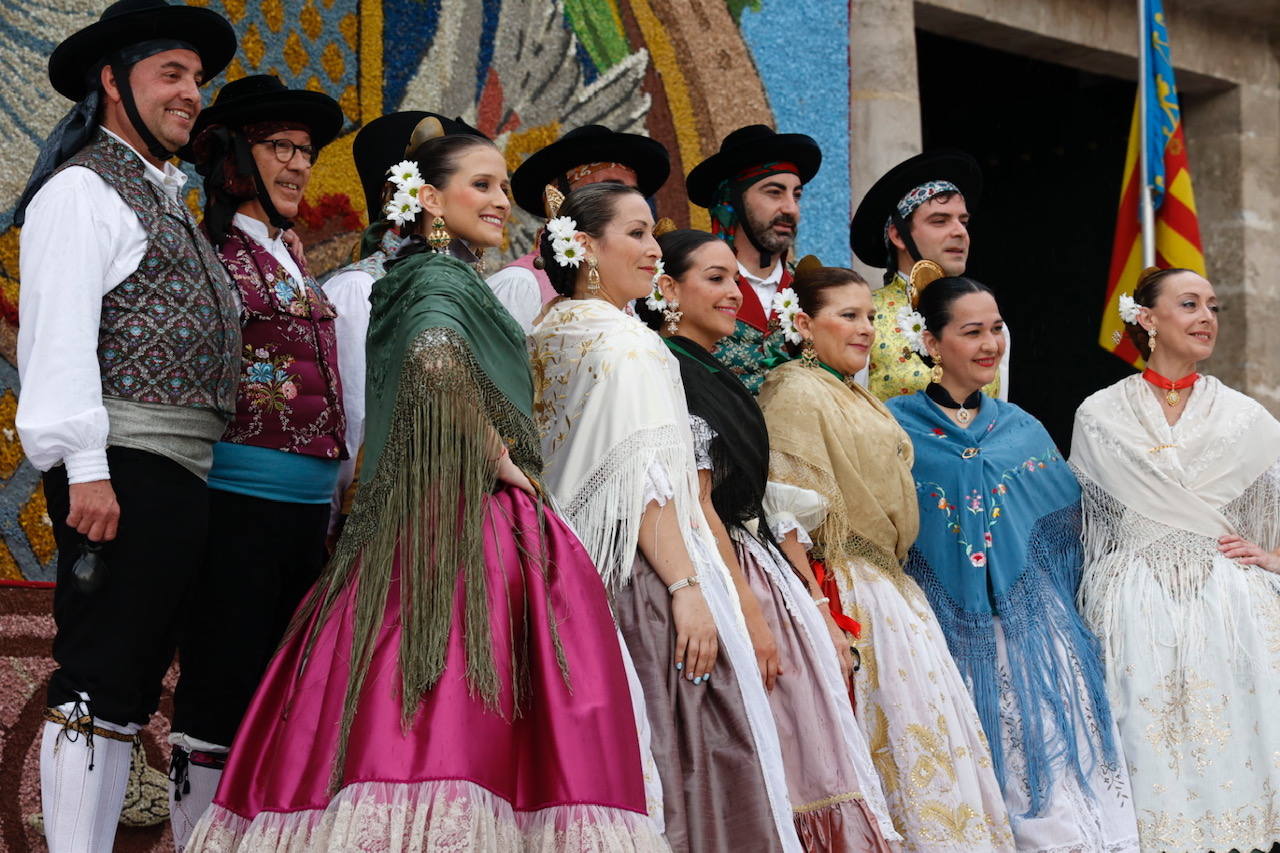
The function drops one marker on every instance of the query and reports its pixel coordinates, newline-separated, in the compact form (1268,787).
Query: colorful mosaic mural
(683,71)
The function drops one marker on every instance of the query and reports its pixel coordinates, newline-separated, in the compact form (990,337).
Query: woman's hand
(696,640)
(510,473)
(1248,554)
(840,640)
(766,647)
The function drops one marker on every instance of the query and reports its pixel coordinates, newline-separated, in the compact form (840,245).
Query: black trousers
(116,643)
(262,558)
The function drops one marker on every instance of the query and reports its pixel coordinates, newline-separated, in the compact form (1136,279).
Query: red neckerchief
(752,312)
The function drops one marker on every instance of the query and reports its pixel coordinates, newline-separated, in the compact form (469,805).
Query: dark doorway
(1051,141)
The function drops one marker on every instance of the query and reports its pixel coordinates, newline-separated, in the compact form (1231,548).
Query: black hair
(936,301)
(892,271)
(591,207)
(1150,283)
(677,256)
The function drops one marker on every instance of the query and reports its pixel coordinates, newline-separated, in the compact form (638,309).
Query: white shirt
(518,291)
(349,292)
(258,230)
(80,240)
(863,376)
(766,287)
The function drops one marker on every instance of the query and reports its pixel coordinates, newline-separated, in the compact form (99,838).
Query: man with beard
(128,352)
(919,210)
(752,186)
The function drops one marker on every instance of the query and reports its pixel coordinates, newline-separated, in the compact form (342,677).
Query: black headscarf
(740,450)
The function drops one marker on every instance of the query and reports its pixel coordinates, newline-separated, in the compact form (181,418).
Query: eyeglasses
(285,150)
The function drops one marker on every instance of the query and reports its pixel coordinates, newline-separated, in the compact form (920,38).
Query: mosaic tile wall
(684,71)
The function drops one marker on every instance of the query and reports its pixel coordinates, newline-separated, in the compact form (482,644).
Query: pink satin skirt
(563,774)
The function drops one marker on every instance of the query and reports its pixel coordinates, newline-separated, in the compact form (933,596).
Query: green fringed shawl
(447,380)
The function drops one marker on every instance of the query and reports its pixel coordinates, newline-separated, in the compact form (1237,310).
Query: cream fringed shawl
(841,442)
(1161,495)
(611,408)
(609,404)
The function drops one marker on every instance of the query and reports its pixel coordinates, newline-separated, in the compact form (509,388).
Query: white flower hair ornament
(786,305)
(912,325)
(1129,308)
(563,233)
(404,205)
(656,300)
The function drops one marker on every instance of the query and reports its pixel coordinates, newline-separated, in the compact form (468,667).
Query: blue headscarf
(1000,536)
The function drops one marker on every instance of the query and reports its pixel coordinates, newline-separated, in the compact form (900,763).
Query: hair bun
(923,274)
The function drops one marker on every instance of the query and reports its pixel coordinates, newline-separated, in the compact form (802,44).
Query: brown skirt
(712,787)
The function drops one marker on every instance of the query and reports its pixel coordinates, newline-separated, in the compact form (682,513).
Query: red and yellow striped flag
(1177,231)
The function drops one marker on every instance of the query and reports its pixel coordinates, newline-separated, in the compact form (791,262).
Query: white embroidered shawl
(609,404)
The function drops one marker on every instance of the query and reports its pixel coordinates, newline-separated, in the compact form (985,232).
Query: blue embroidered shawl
(1000,536)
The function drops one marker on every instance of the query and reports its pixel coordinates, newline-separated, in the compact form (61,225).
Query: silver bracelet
(692,580)
(822,601)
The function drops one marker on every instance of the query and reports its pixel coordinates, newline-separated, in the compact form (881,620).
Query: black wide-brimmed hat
(751,146)
(130,22)
(866,231)
(381,143)
(592,143)
(262,97)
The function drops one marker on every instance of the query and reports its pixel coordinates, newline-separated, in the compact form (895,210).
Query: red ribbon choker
(1170,386)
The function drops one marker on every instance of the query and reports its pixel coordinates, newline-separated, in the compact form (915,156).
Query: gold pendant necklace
(962,415)
(1172,397)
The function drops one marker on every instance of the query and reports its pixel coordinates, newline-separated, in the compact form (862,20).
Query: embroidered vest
(756,338)
(290,394)
(169,332)
(893,368)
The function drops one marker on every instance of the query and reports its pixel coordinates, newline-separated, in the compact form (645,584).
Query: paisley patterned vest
(169,332)
(756,337)
(290,394)
(893,368)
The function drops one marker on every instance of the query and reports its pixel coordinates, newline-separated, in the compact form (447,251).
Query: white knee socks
(82,806)
(191,790)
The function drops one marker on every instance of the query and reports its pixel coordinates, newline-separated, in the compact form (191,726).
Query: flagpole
(1146,208)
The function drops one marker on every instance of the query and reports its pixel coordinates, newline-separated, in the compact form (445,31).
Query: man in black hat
(128,354)
(752,186)
(276,465)
(586,155)
(919,210)
(378,146)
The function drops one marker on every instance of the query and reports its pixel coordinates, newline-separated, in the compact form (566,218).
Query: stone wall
(1228,73)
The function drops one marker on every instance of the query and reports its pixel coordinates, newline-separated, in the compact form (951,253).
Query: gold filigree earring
(935,375)
(593,277)
(1151,339)
(671,315)
(439,238)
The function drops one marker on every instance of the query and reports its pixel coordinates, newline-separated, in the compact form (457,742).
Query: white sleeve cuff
(86,466)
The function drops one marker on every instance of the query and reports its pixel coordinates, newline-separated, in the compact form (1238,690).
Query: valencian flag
(1177,230)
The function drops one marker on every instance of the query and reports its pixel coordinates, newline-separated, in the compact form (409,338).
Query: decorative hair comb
(428,128)
(552,198)
(923,274)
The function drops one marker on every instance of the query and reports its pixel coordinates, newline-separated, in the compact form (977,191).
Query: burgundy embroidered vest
(169,332)
(290,394)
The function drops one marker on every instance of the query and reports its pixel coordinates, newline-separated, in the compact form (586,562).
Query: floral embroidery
(938,433)
(267,382)
(975,503)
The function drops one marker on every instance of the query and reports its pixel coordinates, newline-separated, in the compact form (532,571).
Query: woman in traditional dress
(999,557)
(615,434)
(830,435)
(454,679)
(835,793)
(1181,482)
